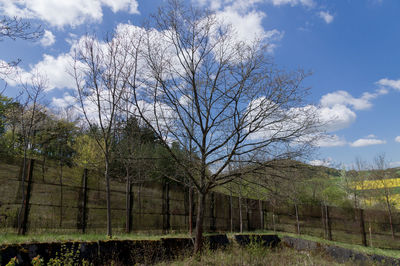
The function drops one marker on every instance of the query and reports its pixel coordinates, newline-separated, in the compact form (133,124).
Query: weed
(37,261)
(13,262)
(68,256)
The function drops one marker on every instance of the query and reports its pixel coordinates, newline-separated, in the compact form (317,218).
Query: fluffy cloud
(307,3)
(245,19)
(54,69)
(330,141)
(66,101)
(397,139)
(326,16)
(244,4)
(369,140)
(336,117)
(248,26)
(122,5)
(48,39)
(394,164)
(337,109)
(326,162)
(61,13)
(344,98)
(394,84)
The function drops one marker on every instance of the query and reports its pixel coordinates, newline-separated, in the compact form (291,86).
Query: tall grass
(13,238)
(256,255)
(367,250)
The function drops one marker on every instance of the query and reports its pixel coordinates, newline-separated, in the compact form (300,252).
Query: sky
(351,48)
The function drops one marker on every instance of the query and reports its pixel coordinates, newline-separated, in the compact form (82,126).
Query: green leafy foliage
(5,104)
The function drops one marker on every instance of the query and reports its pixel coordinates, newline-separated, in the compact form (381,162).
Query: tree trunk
(231,210)
(128,202)
(20,211)
(248,215)
(84,200)
(240,214)
(362,227)
(199,222)
(328,222)
(297,218)
(43,168)
(166,212)
(61,195)
(108,199)
(370,235)
(273,217)
(390,216)
(323,221)
(261,214)
(190,210)
(212,212)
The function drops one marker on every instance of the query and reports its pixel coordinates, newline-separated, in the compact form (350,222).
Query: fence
(76,203)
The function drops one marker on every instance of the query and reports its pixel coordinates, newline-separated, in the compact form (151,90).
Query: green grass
(12,238)
(257,255)
(366,250)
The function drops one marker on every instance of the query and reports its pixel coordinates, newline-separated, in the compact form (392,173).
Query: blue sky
(351,47)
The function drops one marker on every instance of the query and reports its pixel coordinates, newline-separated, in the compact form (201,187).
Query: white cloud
(336,117)
(245,19)
(239,5)
(245,4)
(394,164)
(54,69)
(122,5)
(61,13)
(307,3)
(337,109)
(369,140)
(248,26)
(394,84)
(48,39)
(326,16)
(326,162)
(330,141)
(397,139)
(344,98)
(64,102)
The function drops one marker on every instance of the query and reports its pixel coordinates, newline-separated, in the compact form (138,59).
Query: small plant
(54,262)
(256,250)
(67,256)
(13,262)
(86,263)
(37,261)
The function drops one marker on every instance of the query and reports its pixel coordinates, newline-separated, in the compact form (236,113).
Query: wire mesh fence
(76,203)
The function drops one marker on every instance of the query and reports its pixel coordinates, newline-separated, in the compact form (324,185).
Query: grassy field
(12,238)
(257,255)
(367,250)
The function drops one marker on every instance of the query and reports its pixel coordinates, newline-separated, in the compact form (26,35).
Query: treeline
(35,131)
(30,130)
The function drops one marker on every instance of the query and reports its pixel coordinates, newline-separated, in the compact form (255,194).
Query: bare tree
(242,104)
(99,70)
(16,28)
(385,185)
(353,182)
(29,119)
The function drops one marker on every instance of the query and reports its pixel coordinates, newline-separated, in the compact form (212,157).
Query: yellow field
(378,184)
